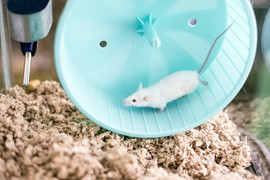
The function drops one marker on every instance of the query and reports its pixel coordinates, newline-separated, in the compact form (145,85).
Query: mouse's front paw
(160,111)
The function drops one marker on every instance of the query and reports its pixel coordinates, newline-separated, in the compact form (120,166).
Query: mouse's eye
(134,100)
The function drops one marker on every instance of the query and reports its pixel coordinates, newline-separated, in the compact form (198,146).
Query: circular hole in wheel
(192,22)
(103,44)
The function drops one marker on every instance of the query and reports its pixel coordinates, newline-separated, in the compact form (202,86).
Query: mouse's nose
(126,102)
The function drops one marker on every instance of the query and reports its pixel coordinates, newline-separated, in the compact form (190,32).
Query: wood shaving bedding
(43,136)
(254,117)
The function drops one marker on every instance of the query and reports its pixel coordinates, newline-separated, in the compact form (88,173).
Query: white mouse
(169,88)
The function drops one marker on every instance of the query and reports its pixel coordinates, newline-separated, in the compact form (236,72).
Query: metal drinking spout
(27,69)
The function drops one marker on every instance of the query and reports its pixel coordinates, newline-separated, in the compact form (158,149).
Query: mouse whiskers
(122,106)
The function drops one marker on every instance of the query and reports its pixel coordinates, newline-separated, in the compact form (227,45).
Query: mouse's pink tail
(211,49)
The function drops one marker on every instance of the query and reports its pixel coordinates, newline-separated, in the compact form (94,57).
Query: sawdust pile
(43,136)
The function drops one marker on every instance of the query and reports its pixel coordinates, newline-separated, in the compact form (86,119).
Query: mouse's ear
(145,98)
(140,87)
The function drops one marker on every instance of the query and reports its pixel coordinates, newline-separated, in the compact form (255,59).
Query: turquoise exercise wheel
(266,39)
(105,48)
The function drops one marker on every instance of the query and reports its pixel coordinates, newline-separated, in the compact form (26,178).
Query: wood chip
(33,85)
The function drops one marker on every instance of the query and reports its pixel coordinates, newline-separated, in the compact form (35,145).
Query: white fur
(166,90)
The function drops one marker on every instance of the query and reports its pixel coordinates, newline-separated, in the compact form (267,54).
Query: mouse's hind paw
(161,110)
